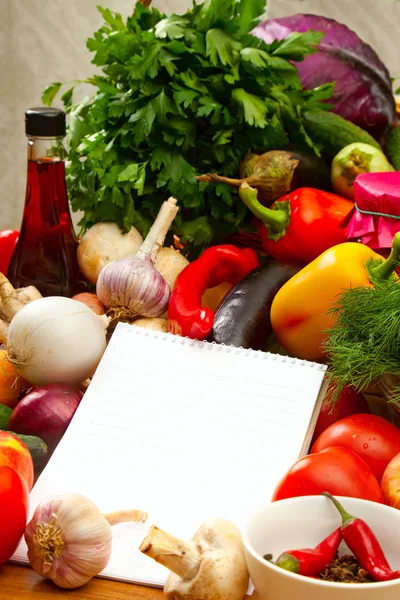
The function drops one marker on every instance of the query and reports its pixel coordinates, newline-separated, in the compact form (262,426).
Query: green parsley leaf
(175,97)
(183,95)
(67,97)
(117,197)
(160,157)
(254,109)
(144,119)
(51,92)
(130,173)
(213,12)
(249,13)
(221,47)
(147,64)
(173,27)
(223,137)
(255,56)
(113,19)
(298,45)
(191,80)
(198,232)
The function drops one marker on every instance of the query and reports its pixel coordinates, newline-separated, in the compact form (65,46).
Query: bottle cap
(45,121)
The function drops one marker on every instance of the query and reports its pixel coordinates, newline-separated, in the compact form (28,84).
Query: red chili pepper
(8,241)
(364,545)
(216,265)
(311,561)
(301,225)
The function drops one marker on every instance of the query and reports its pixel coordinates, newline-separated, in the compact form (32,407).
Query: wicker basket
(387,385)
(377,401)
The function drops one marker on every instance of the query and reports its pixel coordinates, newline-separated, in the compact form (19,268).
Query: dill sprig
(364,344)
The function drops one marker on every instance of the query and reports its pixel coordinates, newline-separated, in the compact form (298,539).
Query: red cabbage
(363,91)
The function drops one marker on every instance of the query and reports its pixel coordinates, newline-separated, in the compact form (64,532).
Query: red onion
(46,412)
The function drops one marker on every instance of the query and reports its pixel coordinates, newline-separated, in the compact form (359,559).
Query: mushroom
(211,566)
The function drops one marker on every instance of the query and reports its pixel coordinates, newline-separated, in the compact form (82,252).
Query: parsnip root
(9,299)
(211,566)
(28,294)
(12,300)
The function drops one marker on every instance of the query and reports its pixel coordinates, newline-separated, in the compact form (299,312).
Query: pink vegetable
(376,216)
(46,412)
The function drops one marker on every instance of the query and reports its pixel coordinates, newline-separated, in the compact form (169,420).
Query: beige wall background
(44,40)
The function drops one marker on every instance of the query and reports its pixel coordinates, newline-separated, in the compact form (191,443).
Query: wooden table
(22,583)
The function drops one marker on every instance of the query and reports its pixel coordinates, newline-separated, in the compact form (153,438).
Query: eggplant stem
(126,516)
(180,557)
(213,178)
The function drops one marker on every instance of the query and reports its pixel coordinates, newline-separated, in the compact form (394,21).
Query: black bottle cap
(45,121)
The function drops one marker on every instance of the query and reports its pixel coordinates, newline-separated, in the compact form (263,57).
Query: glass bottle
(45,255)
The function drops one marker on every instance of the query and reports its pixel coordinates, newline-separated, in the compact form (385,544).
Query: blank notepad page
(183,430)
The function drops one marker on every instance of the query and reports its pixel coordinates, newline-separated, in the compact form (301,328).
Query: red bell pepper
(8,241)
(218,264)
(301,225)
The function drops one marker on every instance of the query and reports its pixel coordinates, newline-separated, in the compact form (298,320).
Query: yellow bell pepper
(300,311)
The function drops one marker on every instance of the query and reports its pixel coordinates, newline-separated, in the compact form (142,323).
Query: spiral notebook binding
(214,346)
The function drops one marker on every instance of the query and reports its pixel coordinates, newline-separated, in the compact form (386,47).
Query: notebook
(184,430)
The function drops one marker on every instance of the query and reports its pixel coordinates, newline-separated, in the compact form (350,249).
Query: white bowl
(303,523)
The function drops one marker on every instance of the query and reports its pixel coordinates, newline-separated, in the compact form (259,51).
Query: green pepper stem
(386,268)
(346,517)
(288,562)
(276,220)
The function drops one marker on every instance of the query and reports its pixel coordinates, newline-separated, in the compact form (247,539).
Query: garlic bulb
(132,287)
(69,540)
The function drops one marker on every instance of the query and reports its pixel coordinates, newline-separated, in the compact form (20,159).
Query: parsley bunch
(180,96)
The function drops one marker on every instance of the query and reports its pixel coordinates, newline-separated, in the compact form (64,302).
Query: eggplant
(311,171)
(243,317)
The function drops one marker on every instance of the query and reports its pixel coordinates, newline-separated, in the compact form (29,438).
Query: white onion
(56,340)
(103,243)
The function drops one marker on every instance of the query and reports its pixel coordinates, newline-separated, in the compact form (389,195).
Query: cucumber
(393,147)
(37,448)
(333,132)
(5,414)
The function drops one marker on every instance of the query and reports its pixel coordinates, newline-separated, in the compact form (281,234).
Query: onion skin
(56,340)
(92,301)
(46,412)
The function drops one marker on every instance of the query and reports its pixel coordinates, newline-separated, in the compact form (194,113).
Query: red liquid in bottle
(45,255)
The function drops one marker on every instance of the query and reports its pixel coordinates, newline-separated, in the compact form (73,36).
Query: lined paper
(184,430)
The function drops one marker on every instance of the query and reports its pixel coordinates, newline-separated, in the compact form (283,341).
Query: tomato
(373,438)
(391,483)
(335,470)
(350,402)
(14,454)
(14,504)
(11,383)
